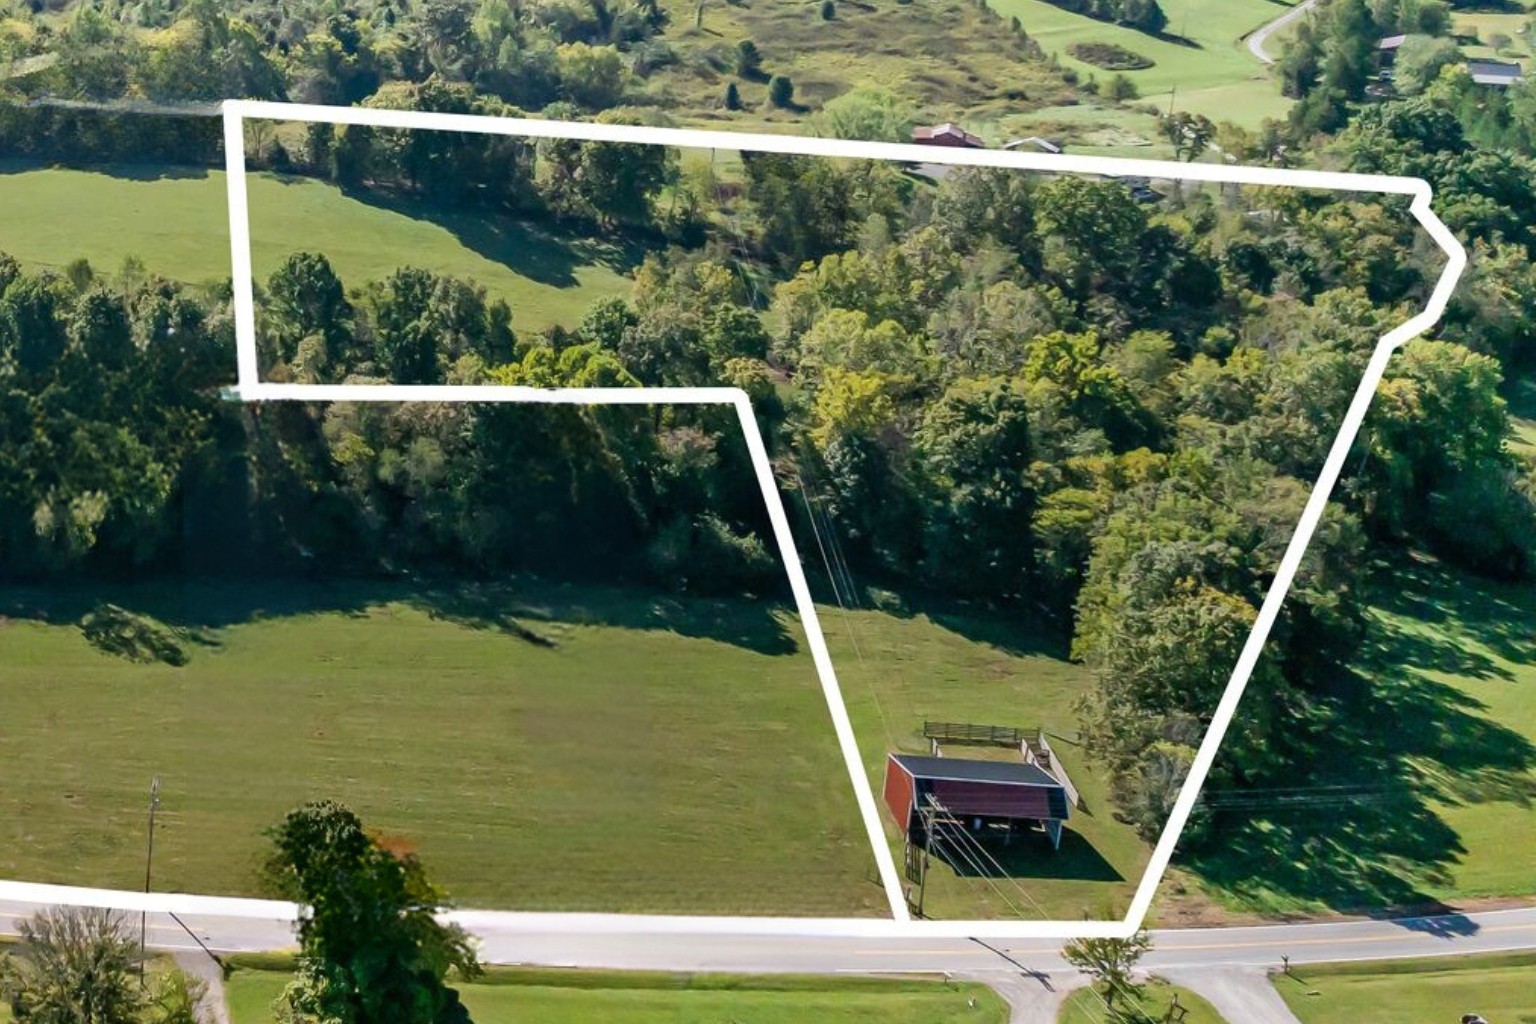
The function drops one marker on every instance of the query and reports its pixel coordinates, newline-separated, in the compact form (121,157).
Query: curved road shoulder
(1259,36)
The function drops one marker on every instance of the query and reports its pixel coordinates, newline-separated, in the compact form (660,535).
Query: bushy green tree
(870,113)
(372,950)
(973,447)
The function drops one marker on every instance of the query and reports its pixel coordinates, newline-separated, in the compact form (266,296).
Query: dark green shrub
(1110,56)
(781,91)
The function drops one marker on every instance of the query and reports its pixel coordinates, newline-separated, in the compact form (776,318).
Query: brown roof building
(979,797)
(947,134)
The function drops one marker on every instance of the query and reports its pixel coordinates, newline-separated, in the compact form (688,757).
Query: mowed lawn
(570,997)
(1201,60)
(176,221)
(899,670)
(1501,988)
(663,756)
(1472,647)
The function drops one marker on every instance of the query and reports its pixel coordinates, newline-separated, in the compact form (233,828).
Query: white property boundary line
(251,388)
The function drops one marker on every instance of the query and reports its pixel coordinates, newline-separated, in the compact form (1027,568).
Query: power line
(1004,873)
(932,834)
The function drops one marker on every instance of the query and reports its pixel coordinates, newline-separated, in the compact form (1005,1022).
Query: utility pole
(149,857)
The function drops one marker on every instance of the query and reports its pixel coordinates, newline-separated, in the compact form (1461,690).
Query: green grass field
(1201,61)
(1441,732)
(177,222)
(1475,28)
(667,756)
(898,670)
(1086,1006)
(571,997)
(1499,987)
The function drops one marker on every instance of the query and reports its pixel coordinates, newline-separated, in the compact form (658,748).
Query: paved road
(1257,38)
(1225,965)
(579,940)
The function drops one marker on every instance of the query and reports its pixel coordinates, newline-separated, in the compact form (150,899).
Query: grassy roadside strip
(1498,986)
(559,995)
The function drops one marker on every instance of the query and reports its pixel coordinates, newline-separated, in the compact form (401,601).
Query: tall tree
(372,950)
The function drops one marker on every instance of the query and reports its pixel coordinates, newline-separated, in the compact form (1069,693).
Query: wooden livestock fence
(966,733)
(1030,743)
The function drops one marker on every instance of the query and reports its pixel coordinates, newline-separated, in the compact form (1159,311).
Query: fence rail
(1056,768)
(989,735)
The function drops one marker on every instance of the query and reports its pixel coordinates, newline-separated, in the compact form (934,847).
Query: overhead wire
(979,875)
(1003,873)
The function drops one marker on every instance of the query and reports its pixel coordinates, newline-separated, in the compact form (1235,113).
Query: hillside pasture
(1200,63)
(176,222)
(945,56)
(647,754)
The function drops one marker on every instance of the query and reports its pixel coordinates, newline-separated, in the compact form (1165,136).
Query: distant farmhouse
(1497,73)
(947,134)
(1388,47)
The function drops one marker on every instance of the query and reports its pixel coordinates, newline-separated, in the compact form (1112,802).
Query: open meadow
(505,996)
(663,755)
(1498,987)
(176,222)
(1199,63)
(1481,26)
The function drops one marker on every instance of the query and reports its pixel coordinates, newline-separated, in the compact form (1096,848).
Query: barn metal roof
(962,770)
(1493,72)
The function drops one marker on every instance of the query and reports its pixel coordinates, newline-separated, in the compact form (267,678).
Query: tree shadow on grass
(534,250)
(1494,615)
(148,171)
(757,625)
(1402,744)
(523,608)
